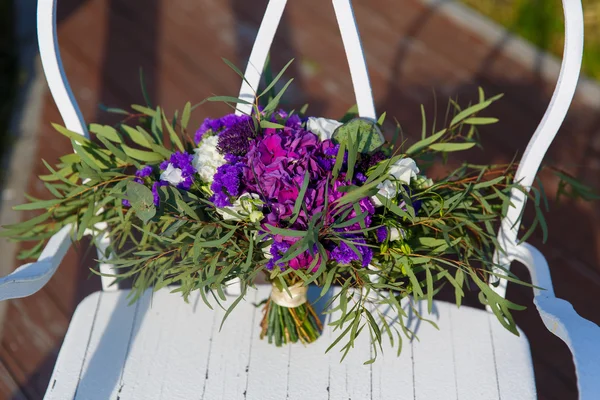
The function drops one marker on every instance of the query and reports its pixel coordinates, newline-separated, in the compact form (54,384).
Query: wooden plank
(108,347)
(433,355)
(473,353)
(9,388)
(268,367)
(67,372)
(227,374)
(515,369)
(170,348)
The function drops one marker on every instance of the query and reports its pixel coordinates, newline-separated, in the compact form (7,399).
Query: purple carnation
(382,234)
(183,161)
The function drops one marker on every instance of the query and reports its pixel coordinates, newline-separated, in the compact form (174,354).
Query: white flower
(396,234)
(172,175)
(207,159)
(246,207)
(322,127)
(404,170)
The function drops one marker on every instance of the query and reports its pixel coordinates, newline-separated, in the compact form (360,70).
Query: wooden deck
(413,51)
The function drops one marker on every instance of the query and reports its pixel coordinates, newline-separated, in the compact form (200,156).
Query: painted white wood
(581,336)
(510,352)
(65,377)
(174,356)
(53,68)
(433,355)
(352,45)
(546,130)
(163,348)
(66,103)
(29,278)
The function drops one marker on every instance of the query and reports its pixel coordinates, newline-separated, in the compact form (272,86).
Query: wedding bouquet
(299,199)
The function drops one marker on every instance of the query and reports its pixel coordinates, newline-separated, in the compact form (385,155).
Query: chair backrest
(536,149)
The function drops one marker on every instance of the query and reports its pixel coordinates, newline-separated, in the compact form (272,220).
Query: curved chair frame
(558,315)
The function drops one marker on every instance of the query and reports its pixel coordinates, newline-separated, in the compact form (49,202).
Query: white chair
(163,348)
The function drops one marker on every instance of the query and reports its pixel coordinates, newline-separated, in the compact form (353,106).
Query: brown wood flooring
(415,55)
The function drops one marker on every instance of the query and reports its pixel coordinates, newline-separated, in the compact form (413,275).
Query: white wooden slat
(227,376)
(105,357)
(171,348)
(473,353)
(268,368)
(514,366)
(350,379)
(391,368)
(433,354)
(309,363)
(167,349)
(65,377)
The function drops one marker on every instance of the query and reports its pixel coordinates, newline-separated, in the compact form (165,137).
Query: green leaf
(425,142)
(300,198)
(85,219)
(37,205)
(146,156)
(365,133)
(72,135)
(185,116)
(285,232)
(268,124)
(107,132)
(448,147)
(172,134)
(137,136)
(275,102)
(144,110)
(277,78)
(480,121)
(227,99)
(142,201)
(381,119)
(214,243)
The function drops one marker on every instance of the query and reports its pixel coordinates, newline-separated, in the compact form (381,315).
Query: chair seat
(164,348)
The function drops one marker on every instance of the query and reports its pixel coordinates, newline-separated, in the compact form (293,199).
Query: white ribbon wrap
(282,297)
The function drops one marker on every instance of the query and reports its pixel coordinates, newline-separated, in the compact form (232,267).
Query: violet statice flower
(209,124)
(343,254)
(236,138)
(181,164)
(277,251)
(368,161)
(155,187)
(226,184)
(382,234)
(125,203)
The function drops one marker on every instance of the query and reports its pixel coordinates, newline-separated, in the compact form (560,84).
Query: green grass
(541,22)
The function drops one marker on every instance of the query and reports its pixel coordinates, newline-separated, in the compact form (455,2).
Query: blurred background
(418,52)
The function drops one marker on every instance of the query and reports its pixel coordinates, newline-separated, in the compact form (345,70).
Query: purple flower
(277,251)
(144,172)
(226,184)
(155,193)
(209,124)
(183,161)
(344,254)
(381,233)
(236,138)
(125,203)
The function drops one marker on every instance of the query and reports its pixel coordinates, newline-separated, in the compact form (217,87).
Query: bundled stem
(284,325)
